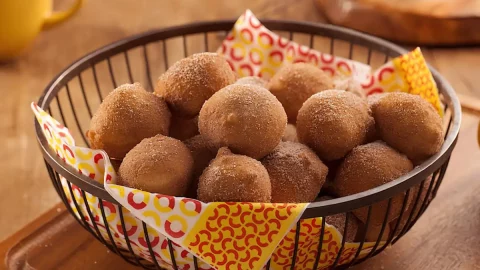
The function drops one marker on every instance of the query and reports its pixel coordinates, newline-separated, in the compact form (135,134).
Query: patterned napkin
(253,50)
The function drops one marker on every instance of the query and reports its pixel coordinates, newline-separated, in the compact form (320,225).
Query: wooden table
(26,191)
(428,22)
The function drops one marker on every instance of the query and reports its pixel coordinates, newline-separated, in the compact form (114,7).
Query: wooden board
(426,22)
(445,237)
(26,189)
(57,241)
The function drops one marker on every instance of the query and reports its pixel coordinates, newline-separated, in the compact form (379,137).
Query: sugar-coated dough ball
(188,83)
(296,173)
(349,85)
(373,232)
(290,134)
(159,164)
(115,164)
(327,188)
(203,151)
(234,178)
(372,100)
(182,128)
(126,116)
(414,195)
(333,122)
(369,166)
(339,220)
(409,124)
(293,84)
(248,119)
(252,80)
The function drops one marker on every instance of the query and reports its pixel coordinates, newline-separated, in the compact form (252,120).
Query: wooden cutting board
(424,22)
(56,241)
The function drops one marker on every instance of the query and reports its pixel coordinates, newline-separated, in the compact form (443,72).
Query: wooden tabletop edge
(470,104)
(9,242)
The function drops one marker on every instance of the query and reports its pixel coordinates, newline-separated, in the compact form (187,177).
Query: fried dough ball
(188,83)
(372,134)
(349,85)
(409,124)
(182,128)
(333,122)
(247,119)
(409,210)
(338,221)
(290,134)
(115,164)
(159,164)
(126,116)
(293,84)
(372,100)
(296,173)
(369,166)
(252,80)
(203,151)
(234,178)
(327,188)
(373,232)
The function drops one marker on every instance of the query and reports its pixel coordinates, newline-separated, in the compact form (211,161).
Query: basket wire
(75,100)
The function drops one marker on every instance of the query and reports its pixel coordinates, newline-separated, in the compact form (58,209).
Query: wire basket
(74,94)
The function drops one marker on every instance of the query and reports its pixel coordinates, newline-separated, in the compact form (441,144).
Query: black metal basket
(71,99)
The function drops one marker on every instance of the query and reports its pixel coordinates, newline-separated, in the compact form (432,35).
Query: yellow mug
(478,134)
(22,20)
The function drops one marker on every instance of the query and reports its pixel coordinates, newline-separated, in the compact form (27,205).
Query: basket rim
(315,209)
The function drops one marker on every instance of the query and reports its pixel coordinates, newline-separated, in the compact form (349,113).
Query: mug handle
(478,134)
(60,16)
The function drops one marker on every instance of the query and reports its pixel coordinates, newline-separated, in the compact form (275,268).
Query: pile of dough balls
(300,137)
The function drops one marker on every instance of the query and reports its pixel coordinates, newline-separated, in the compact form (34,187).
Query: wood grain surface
(26,191)
(428,22)
(44,247)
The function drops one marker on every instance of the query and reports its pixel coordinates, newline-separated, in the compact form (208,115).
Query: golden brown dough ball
(159,164)
(182,128)
(333,122)
(126,116)
(234,178)
(349,85)
(252,80)
(372,134)
(369,166)
(409,124)
(293,84)
(414,195)
(339,220)
(372,100)
(373,232)
(290,134)
(203,151)
(327,188)
(116,164)
(247,119)
(296,173)
(188,83)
